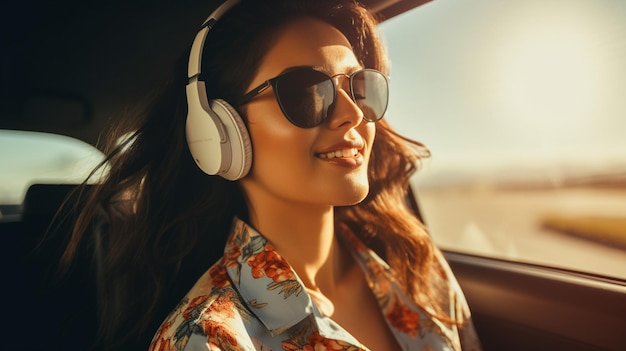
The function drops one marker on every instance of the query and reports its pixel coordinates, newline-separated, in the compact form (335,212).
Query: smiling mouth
(343,153)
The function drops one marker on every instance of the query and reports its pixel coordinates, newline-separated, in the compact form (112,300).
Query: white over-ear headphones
(216,135)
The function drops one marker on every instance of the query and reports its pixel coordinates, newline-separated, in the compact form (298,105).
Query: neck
(304,236)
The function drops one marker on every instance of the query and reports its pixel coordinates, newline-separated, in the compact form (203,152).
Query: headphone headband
(195,57)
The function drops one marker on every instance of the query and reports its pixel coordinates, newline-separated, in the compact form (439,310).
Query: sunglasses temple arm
(254,92)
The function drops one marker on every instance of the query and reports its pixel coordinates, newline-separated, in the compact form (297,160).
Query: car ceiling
(70,68)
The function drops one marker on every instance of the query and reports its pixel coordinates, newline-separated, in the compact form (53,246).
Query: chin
(354,197)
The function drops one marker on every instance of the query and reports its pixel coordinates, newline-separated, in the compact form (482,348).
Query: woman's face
(324,165)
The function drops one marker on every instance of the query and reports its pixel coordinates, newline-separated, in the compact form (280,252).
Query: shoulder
(212,313)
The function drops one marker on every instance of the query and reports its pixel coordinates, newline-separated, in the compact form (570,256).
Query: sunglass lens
(370,91)
(305,96)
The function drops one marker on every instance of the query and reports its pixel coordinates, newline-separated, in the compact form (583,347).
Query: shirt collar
(268,285)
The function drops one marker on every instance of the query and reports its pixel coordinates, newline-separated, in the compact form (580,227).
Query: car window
(522,106)
(31,157)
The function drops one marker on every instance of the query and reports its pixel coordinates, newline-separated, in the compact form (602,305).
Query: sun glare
(552,75)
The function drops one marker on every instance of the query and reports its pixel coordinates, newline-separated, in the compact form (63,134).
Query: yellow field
(608,230)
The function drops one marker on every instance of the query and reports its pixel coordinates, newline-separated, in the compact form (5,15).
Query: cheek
(276,143)
(279,148)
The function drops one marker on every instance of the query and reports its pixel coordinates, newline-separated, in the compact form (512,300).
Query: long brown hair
(167,222)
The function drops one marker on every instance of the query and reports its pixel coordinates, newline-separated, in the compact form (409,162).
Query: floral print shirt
(251,299)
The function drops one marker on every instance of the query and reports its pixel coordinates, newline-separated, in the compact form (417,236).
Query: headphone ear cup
(238,137)
(216,136)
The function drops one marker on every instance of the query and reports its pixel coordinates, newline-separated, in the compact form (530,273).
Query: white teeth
(340,153)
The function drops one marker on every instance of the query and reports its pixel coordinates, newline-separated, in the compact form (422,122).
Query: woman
(317,246)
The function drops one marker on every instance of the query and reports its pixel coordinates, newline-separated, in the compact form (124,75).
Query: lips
(348,153)
(340,153)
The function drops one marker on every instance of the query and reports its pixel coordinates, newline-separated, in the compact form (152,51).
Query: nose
(346,113)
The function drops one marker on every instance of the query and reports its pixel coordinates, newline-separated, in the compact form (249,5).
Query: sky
(506,86)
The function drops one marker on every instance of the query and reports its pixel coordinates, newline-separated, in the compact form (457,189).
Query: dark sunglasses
(307,96)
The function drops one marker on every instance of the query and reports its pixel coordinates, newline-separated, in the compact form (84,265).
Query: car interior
(72,69)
